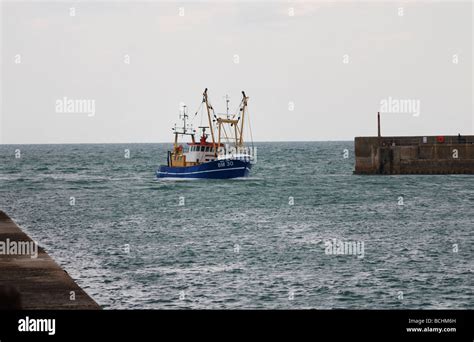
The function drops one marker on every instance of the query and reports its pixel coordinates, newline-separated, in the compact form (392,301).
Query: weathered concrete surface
(414,155)
(41,283)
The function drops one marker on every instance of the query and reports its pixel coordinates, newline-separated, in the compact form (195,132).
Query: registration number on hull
(225,163)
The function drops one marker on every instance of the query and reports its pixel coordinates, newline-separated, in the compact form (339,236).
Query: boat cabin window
(200,149)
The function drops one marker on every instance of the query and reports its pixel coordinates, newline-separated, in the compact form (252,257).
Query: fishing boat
(224,156)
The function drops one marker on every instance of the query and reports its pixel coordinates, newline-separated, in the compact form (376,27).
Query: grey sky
(282,59)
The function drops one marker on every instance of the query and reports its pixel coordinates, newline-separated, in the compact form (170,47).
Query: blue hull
(219,169)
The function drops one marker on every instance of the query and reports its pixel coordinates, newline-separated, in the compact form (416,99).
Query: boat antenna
(227,104)
(184,116)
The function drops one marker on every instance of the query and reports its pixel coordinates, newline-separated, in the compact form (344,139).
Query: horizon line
(122,143)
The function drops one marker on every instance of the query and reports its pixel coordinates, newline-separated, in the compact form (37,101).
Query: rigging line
(238,129)
(229,139)
(250,129)
(225,133)
(211,108)
(239,109)
(201,108)
(196,113)
(198,109)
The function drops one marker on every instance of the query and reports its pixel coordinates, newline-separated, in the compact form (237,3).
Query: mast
(175,137)
(183,130)
(185,115)
(210,121)
(227,103)
(244,105)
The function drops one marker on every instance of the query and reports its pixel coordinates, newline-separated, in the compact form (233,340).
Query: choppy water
(239,243)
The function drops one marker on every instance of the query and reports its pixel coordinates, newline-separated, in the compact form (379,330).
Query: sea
(302,232)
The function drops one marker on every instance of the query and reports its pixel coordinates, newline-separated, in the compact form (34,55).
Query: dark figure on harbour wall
(10,298)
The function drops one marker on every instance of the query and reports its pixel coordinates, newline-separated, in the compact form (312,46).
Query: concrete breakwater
(414,155)
(30,279)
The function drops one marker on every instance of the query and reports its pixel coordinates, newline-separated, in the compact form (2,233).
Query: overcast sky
(332,63)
